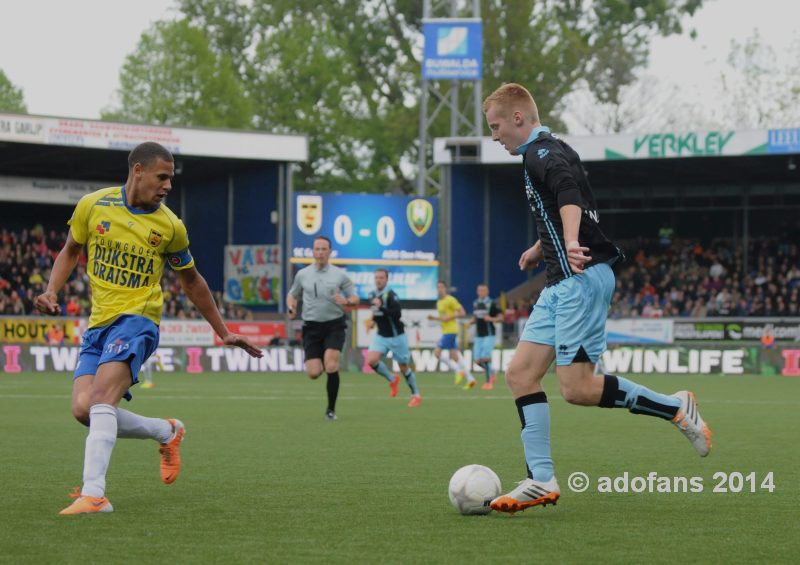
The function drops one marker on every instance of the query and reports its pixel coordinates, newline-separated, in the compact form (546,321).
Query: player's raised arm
(196,288)
(47,302)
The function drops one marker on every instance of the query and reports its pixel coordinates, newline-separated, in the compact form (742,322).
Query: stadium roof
(70,148)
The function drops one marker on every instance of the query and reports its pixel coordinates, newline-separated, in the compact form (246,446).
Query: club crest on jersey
(309,213)
(103,227)
(419,214)
(154,238)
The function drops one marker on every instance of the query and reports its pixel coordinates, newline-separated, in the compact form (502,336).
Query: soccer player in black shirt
(391,336)
(484,314)
(568,321)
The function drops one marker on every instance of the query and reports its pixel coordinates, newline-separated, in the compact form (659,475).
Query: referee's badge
(309,213)
(419,213)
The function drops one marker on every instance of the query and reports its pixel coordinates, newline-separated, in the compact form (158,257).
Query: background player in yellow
(129,234)
(449,309)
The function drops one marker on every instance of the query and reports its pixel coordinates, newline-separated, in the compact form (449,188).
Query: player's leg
(108,387)
(377,349)
(332,386)
(402,355)
(532,358)
(524,376)
(333,344)
(129,424)
(314,349)
(481,350)
(463,369)
(580,337)
(491,340)
(147,374)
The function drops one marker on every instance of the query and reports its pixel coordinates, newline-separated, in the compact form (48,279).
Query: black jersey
(387,315)
(554,177)
(481,308)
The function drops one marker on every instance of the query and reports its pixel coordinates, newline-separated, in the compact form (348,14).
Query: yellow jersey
(127,249)
(448,306)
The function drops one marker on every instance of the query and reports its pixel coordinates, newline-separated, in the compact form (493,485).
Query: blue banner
(785,140)
(453,49)
(410,282)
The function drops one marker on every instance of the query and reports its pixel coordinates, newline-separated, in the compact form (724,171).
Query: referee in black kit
(324,290)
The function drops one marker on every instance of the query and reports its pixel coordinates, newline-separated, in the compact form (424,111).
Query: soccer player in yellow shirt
(130,235)
(449,309)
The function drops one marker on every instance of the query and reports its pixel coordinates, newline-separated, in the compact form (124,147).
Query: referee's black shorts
(319,336)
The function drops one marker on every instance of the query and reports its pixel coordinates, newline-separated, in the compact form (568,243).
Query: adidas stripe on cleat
(689,422)
(527,494)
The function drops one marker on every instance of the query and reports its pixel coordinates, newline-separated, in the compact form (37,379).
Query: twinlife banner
(680,361)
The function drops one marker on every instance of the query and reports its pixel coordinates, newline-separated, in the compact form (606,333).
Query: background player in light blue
(390,336)
(484,315)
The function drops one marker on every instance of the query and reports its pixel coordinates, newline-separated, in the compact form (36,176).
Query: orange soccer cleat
(170,453)
(393,386)
(415,401)
(88,505)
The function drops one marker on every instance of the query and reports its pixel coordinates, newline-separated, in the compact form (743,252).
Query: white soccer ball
(472,488)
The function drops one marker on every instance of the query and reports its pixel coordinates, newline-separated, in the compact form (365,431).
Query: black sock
(333,389)
(485,366)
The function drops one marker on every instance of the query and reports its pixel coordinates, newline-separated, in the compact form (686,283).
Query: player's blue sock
(411,379)
(381,369)
(619,392)
(534,415)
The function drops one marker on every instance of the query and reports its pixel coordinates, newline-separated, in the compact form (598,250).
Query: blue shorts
(129,338)
(447,341)
(398,345)
(483,346)
(571,315)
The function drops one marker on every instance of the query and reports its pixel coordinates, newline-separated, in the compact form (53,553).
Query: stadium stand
(27,255)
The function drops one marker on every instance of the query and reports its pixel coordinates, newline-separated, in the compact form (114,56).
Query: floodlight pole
(464,121)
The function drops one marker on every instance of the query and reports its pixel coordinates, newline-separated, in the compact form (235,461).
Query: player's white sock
(462,366)
(130,425)
(453,365)
(99,444)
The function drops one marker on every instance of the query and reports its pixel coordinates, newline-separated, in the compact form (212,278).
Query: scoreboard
(367,231)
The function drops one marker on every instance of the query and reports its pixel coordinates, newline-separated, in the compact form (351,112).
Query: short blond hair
(512,97)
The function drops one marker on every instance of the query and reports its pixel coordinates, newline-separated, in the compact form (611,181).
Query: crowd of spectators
(26,258)
(663,277)
(683,278)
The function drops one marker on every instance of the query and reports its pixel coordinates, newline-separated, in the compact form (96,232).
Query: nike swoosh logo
(98,504)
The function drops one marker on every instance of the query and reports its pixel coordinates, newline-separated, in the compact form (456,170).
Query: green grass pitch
(267,480)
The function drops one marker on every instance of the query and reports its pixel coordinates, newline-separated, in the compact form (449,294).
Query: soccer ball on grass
(472,488)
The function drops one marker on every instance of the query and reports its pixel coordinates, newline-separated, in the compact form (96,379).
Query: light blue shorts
(447,341)
(483,346)
(571,315)
(129,338)
(398,345)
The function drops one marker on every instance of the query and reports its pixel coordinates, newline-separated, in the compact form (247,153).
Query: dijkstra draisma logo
(309,213)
